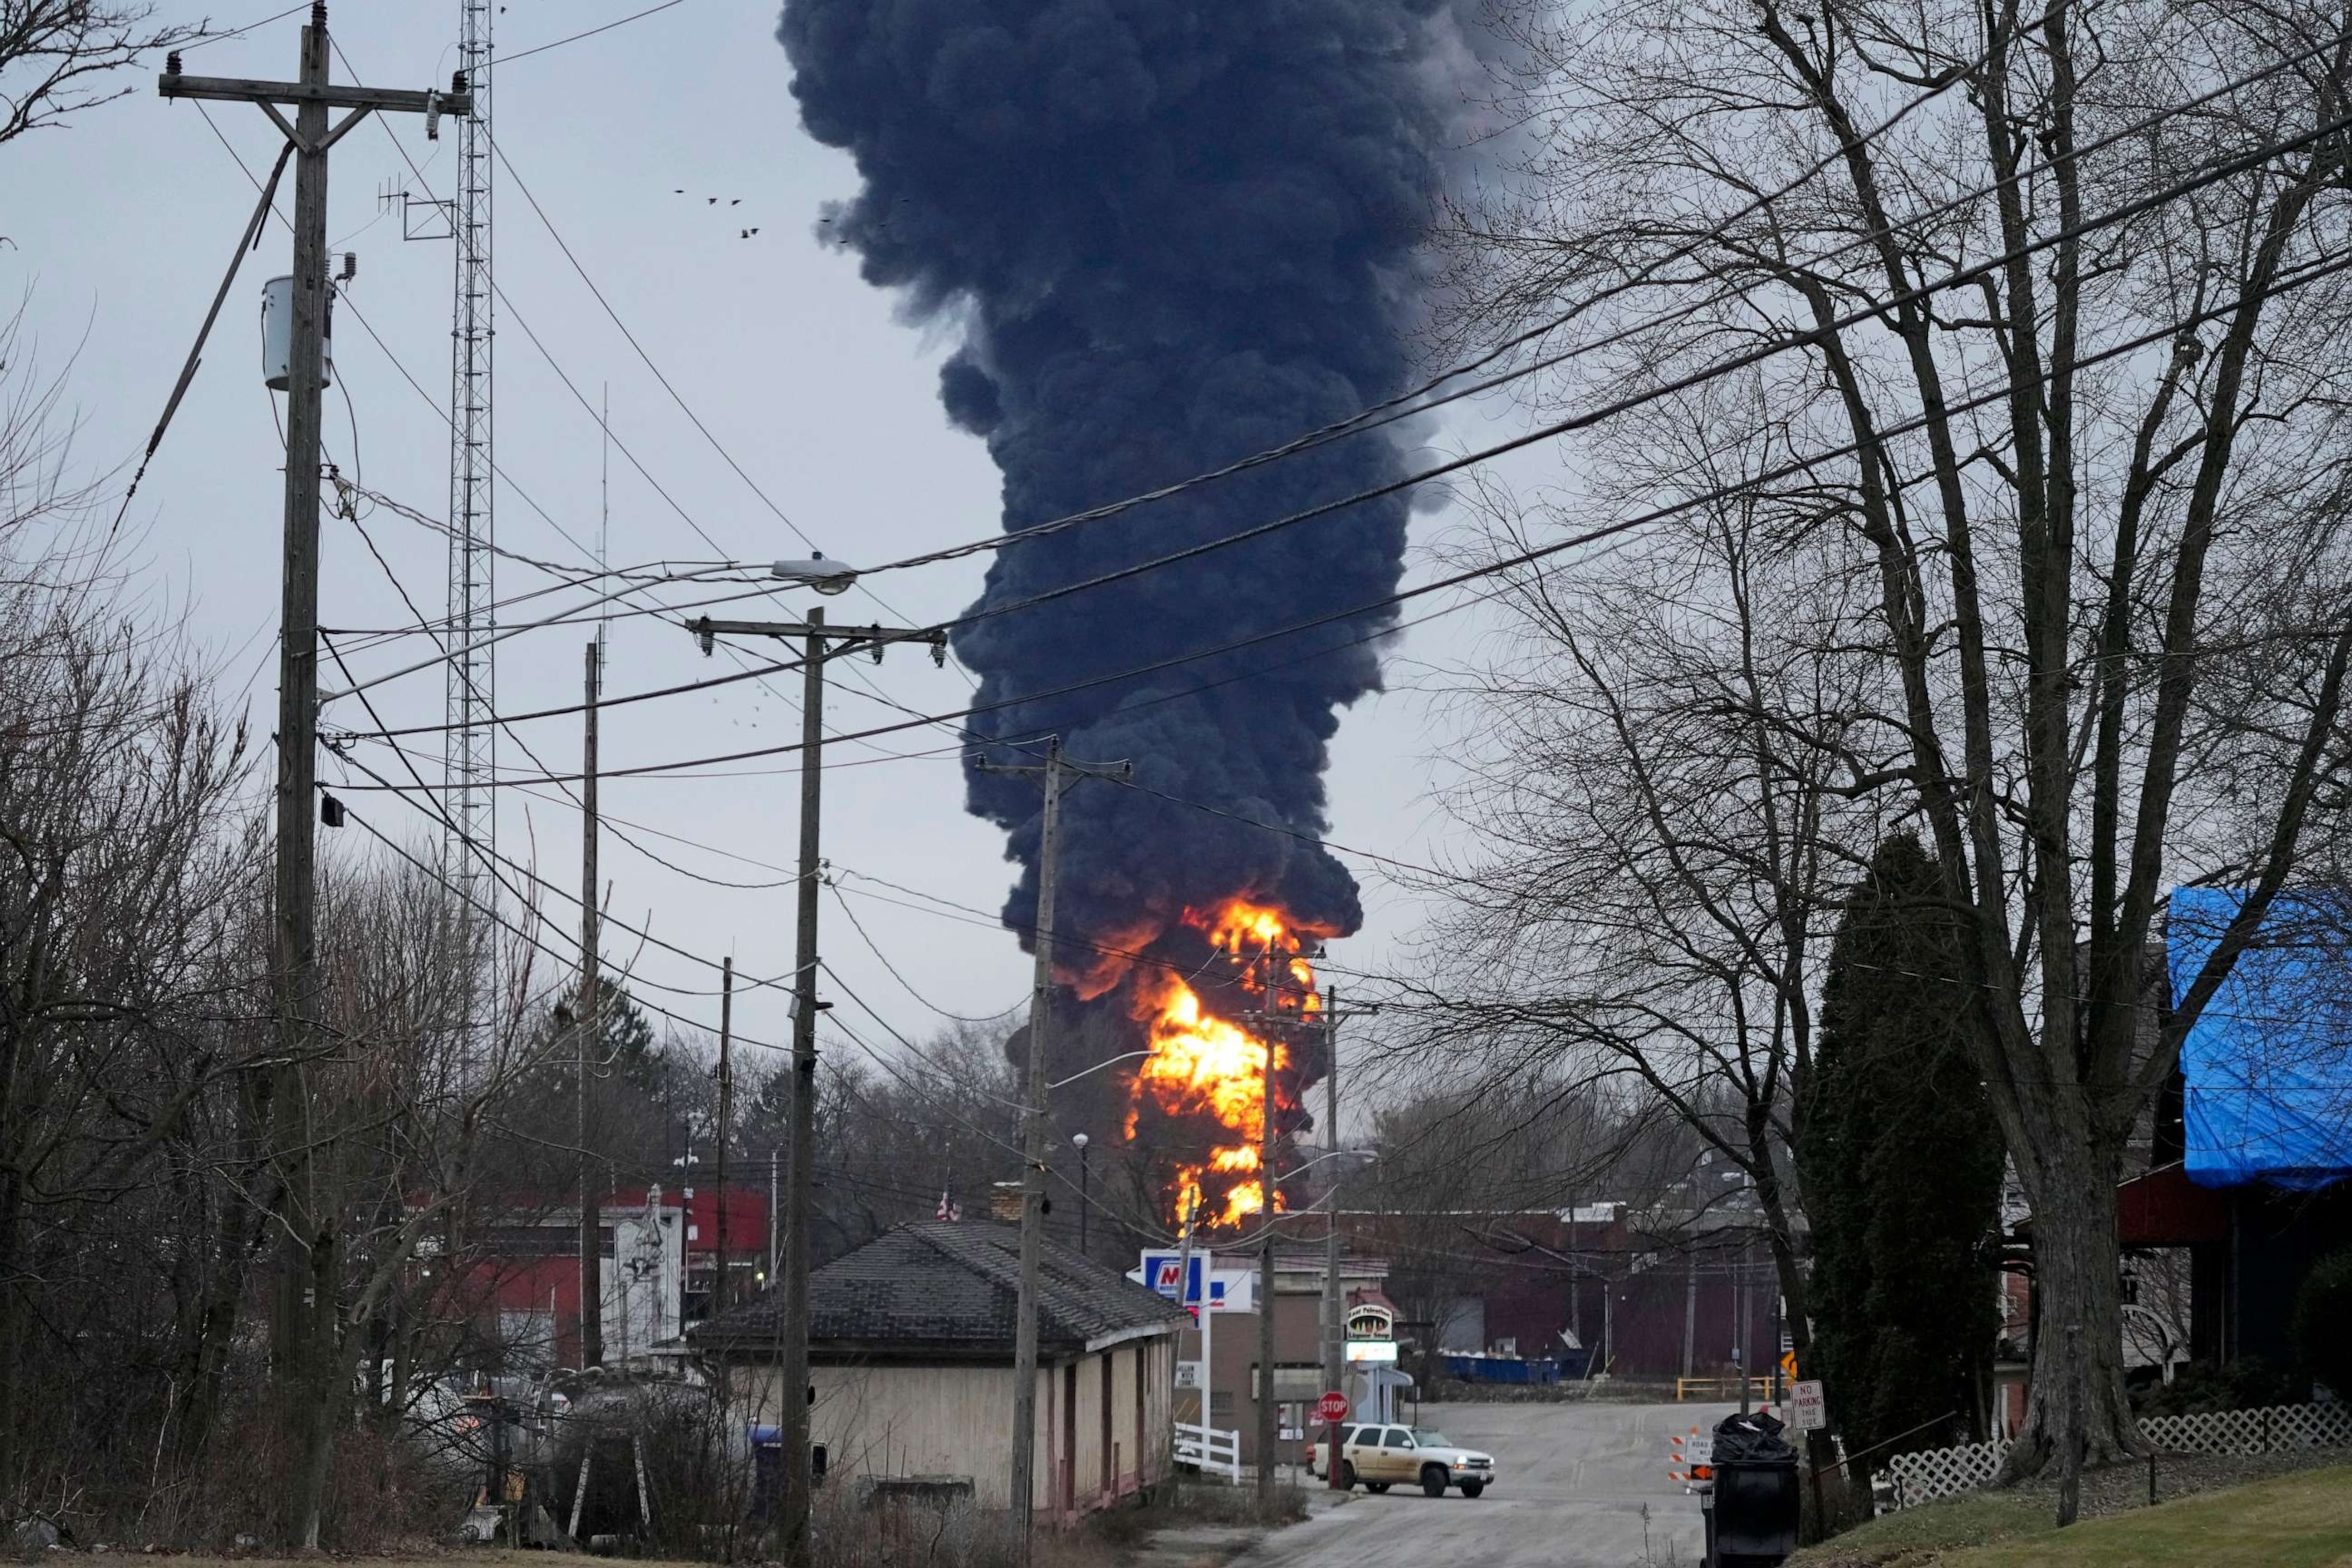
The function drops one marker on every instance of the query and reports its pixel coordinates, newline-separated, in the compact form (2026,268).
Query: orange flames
(1205,1066)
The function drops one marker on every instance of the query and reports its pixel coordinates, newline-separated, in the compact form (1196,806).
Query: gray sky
(121,223)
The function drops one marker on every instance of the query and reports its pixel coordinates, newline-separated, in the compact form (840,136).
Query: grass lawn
(2302,1520)
(2289,1522)
(2295,1522)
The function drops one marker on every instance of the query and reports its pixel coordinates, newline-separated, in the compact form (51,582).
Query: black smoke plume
(1172,233)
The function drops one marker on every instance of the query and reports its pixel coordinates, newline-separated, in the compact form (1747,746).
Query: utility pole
(1333,1366)
(293,940)
(818,643)
(1033,1124)
(725,1106)
(592,1219)
(1268,1425)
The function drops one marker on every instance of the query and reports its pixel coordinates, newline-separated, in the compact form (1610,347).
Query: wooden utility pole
(1033,1155)
(726,1120)
(590,1035)
(1051,772)
(303,1271)
(818,643)
(1034,1127)
(1268,1422)
(1334,1350)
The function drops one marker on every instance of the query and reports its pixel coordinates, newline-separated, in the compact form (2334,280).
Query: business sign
(1162,1271)
(1371,1334)
(1808,1412)
(1188,1374)
(1228,1289)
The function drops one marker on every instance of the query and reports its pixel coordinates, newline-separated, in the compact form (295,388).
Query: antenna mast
(470,742)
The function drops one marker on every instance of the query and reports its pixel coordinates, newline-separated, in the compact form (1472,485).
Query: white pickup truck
(1377,1457)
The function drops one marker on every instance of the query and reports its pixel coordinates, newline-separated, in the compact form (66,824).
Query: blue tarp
(2268,1065)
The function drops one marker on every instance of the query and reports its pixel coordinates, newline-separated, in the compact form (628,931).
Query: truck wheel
(1433,1481)
(1347,1475)
(1472,1489)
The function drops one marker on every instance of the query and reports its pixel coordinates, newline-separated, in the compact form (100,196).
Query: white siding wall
(958,1421)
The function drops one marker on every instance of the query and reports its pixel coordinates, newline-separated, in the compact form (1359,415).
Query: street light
(1086,1200)
(825,577)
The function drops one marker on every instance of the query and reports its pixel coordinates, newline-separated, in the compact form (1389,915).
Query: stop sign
(1332,1406)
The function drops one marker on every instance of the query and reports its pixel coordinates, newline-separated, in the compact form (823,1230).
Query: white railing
(1210,1451)
(1938,1472)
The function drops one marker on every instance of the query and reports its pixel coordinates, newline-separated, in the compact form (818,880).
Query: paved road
(1583,1485)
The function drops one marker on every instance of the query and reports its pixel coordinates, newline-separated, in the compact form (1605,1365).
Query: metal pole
(1268,1428)
(1033,1160)
(1740,1334)
(592,1221)
(1333,1366)
(793,1354)
(726,1105)
(1690,1311)
(1085,1193)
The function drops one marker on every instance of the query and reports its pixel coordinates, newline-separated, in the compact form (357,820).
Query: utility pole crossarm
(457,102)
(1118,773)
(841,640)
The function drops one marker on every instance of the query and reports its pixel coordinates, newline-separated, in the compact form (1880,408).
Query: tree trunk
(322,1391)
(14,1275)
(2076,1285)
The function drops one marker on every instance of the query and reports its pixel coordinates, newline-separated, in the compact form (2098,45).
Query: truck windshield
(1423,1437)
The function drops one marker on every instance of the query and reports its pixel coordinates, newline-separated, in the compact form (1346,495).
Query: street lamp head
(1079,1139)
(816,572)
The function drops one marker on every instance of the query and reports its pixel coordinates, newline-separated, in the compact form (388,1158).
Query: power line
(1405,405)
(240,32)
(1609,531)
(541,49)
(906,985)
(1746,360)
(676,396)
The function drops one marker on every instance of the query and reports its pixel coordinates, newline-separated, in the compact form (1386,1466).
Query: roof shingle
(951,1288)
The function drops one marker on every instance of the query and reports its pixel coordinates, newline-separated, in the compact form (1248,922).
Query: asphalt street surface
(1580,1486)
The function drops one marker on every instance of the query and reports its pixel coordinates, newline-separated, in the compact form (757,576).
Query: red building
(660,1268)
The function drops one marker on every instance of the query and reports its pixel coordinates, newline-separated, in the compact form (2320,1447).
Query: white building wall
(896,1420)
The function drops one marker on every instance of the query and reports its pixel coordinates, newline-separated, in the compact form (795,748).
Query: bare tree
(58,57)
(2053,321)
(392,1119)
(1659,775)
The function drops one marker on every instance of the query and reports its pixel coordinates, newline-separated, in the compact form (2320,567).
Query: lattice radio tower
(470,743)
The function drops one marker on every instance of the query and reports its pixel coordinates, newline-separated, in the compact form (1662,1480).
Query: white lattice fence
(2263,1431)
(1939,1472)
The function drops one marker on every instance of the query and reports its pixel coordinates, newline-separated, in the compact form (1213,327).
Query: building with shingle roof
(910,1353)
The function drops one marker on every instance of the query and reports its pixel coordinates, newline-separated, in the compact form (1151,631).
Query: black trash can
(1753,1523)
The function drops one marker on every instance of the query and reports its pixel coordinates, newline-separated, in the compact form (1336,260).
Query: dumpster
(1753,1520)
(1472,1366)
